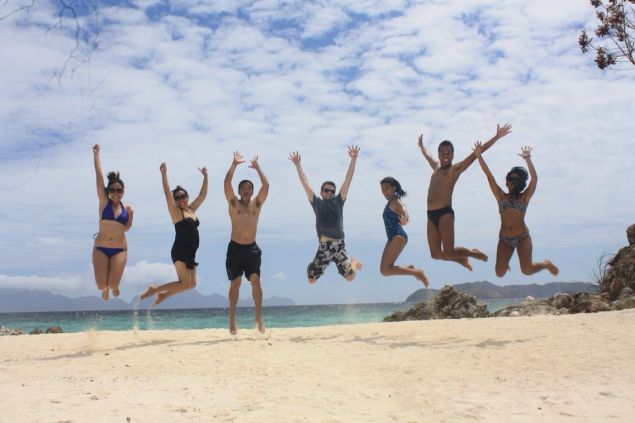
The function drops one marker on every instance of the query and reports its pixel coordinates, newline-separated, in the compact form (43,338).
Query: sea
(210,318)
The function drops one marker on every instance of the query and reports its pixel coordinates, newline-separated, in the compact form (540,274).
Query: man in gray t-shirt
(329,222)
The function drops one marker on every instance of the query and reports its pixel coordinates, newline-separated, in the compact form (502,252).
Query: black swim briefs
(242,258)
(435,215)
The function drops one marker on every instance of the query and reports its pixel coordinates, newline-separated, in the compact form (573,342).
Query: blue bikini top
(515,204)
(109,214)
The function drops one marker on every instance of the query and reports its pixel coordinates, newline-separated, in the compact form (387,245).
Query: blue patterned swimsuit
(391,221)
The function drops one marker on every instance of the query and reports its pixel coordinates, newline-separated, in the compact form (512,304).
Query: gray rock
(448,304)
(4,331)
(36,331)
(54,329)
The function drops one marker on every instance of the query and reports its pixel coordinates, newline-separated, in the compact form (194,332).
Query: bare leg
(393,248)
(115,272)
(436,245)
(450,251)
(234,292)
(100,267)
(256,293)
(525,248)
(503,255)
(187,280)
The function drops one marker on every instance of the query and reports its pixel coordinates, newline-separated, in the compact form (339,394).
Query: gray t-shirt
(329,216)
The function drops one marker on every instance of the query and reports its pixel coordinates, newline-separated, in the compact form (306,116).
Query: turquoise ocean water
(206,318)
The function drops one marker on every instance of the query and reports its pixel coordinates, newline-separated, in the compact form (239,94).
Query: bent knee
(384,271)
(501,272)
(437,255)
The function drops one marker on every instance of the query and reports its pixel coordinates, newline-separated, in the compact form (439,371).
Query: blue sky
(190,82)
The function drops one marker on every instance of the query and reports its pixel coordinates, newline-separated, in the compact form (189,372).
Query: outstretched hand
(478,148)
(353,151)
(295,158)
(163,168)
(253,163)
(238,158)
(96,149)
(203,170)
(502,131)
(525,152)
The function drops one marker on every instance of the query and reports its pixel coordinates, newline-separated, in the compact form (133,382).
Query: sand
(526,369)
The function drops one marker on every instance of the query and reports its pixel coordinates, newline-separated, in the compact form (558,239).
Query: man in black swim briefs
(243,254)
(440,213)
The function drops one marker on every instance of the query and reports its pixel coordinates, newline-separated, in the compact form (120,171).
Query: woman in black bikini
(110,251)
(512,207)
(186,223)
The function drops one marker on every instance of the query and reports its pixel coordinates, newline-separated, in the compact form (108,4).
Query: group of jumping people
(244,255)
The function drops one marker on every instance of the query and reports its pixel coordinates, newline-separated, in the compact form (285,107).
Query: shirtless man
(243,254)
(440,213)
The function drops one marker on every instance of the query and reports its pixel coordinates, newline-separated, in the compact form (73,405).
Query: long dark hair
(517,177)
(399,192)
(113,178)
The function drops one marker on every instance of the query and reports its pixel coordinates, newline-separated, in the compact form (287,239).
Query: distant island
(22,300)
(485,290)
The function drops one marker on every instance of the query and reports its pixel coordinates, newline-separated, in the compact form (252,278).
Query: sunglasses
(330,191)
(115,190)
(180,197)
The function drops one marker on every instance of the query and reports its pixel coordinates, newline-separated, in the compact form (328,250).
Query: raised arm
(353,152)
(264,187)
(169,200)
(525,153)
(229,191)
(99,176)
(203,193)
(433,163)
(496,190)
(500,133)
(296,159)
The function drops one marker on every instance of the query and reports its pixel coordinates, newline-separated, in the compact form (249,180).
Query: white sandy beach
(545,368)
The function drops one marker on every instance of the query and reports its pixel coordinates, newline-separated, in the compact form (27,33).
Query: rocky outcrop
(619,273)
(54,329)
(448,304)
(8,331)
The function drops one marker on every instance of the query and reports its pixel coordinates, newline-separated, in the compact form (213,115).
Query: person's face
(446,154)
(328,192)
(245,191)
(388,190)
(115,191)
(181,199)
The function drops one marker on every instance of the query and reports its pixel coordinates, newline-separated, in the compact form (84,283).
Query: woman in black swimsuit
(186,241)
(512,206)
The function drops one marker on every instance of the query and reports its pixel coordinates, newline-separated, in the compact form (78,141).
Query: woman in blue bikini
(395,216)
(512,206)
(110,251)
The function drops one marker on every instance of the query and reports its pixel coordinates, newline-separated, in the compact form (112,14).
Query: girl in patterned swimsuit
(512,207)
(395,216)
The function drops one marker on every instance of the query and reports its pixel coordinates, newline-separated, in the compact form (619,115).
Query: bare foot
(478,255)
(115,292)
(465,263)
(552,267)
(422,277)
(312,281)
(356,264)
(261,326)
(232,326)
(161,296)
(104,294)
(149,292)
